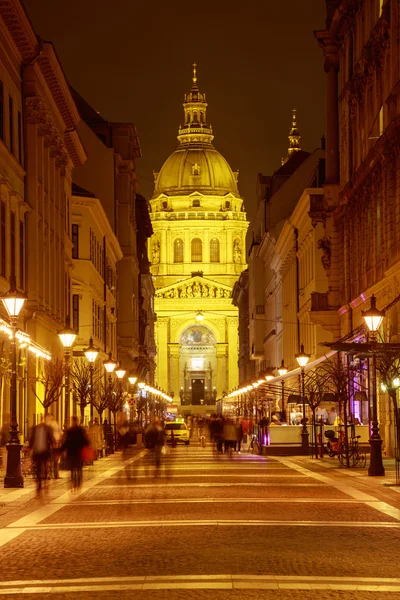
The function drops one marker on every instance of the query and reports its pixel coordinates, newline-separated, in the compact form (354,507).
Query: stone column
(162,354)
(220,383)
(187,249)
(229,246)
(331,66)
(163,246)
(206,247)
(174,353)
(332,127)
(233,350)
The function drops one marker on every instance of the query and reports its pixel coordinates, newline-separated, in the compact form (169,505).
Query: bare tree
(140,407)
(51,379)
(101,399)
(388,365)
(315,389)
(115,403)
(80,380)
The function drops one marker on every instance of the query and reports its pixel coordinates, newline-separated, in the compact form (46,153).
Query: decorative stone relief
(155,255)
(237,251)
(36,112)
(324,244)
(195,290)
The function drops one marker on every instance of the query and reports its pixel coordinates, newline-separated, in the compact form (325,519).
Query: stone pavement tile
(214,478)
(12,510)
(134,492)
(247,594)
(312,511)
(197,550)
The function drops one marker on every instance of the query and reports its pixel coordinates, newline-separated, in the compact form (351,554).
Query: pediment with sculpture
(195,287)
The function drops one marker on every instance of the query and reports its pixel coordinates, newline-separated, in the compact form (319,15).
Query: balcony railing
(198,215)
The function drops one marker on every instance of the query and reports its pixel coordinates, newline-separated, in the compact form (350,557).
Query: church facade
(197,254)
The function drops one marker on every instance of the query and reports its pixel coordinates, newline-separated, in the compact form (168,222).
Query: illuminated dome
(196,169)
(195,166)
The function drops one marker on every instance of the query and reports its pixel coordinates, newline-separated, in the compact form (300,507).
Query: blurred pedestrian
(75,440)
(56,433)
(155,439)
(40,443)
(229,433)
(239,435)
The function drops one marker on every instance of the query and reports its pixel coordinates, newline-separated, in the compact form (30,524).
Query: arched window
(188,118)
(197,250)
(214,250)
(201,117)
(178,251)
(195,117)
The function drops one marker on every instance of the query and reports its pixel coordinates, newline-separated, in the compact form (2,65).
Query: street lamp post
(109,366)
(302,359)
(91,354)
(13,302)
(67,337)
(373,319)
(120,373)
(282,370)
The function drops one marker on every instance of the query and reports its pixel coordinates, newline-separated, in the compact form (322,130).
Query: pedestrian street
(204,526)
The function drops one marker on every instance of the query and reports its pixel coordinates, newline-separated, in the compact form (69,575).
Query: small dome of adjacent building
(196,169)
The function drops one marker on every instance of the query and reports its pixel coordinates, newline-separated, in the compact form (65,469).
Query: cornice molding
(20,28)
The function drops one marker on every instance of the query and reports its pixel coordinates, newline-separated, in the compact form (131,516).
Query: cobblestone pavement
(203,526)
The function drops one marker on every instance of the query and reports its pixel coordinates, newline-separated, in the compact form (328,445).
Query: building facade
(39,148)
(360,209)
(109,173)
(285,263)
(197,254)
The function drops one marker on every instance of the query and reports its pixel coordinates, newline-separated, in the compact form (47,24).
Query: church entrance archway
(197,359)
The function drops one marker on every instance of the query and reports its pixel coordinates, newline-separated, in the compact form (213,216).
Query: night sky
(256,61)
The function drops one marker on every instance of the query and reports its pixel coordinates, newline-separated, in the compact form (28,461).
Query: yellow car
(180,429)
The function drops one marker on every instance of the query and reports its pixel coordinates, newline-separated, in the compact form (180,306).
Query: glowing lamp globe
(120,372)
(373,317)
(109,364)
(199,316)
(132,379)
(302,357)
(91,352)
(67,336)
(14,300)
(282,370)
(269,374)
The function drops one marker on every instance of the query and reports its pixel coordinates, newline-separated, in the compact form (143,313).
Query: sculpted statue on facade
(196,290)
(324,244)
(155,258)
(237,251)
(189,291)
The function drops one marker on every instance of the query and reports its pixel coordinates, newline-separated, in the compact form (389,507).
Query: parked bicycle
(348,451)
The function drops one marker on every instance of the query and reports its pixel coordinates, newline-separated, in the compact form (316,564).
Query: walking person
(229,436)
(75,440)
(56,433)
(41,442)
(239,435)
(155,438)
